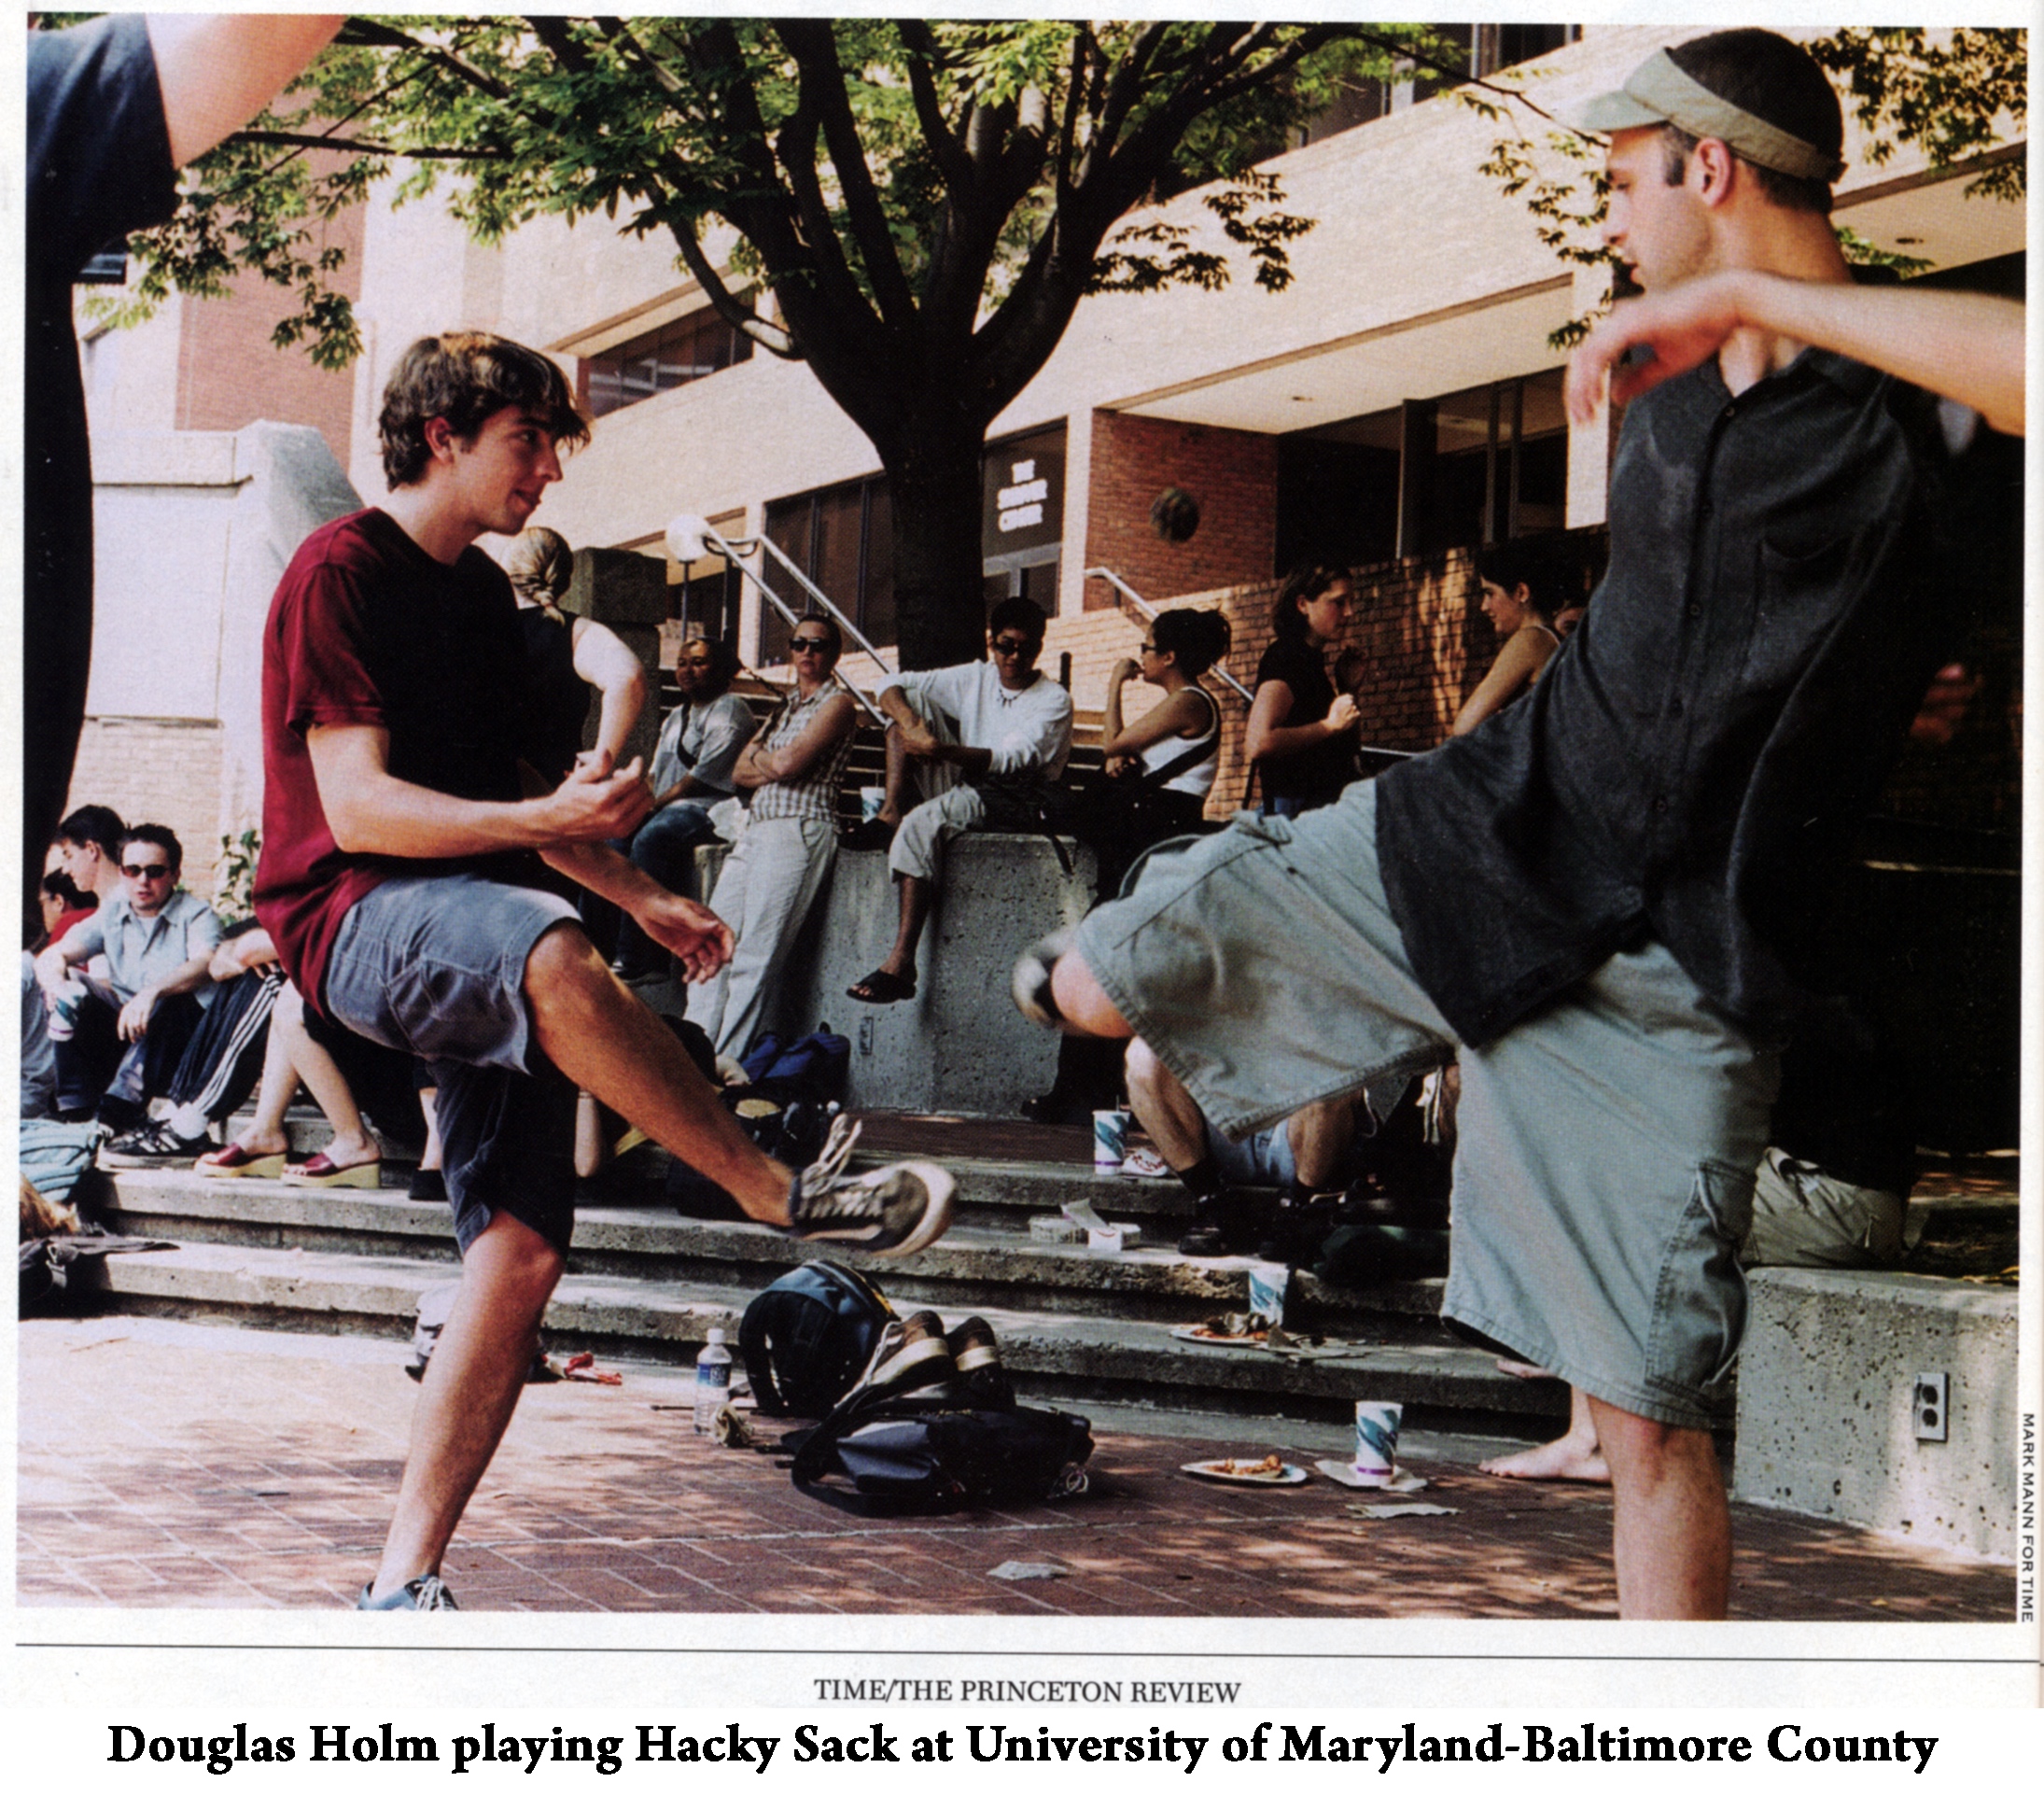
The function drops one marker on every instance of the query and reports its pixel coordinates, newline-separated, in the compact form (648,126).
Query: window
(1476,50)
(673,355)
(1460,470)
(841,537)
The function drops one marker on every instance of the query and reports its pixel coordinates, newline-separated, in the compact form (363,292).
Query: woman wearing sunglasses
(792,768)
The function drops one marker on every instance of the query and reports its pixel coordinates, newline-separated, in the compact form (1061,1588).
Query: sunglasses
(156,871)
(820,643)
(1013,645)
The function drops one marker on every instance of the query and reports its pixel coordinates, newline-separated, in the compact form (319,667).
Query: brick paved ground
(168,1464)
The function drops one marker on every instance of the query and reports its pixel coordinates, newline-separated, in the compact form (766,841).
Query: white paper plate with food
(1222,1331)
(1267,1470)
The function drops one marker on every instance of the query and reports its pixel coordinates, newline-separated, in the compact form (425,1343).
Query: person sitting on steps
(975,743)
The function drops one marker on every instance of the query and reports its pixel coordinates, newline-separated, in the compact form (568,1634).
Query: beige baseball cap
(1661,92)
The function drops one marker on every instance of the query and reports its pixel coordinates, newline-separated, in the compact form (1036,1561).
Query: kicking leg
(614,1046)
(1672,1521)
(470,1390)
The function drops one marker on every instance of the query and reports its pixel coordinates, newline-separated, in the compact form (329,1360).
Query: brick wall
(230,375)
(1232,474)
(159,770)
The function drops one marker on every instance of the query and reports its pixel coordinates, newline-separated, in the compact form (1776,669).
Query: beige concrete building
(1397,405)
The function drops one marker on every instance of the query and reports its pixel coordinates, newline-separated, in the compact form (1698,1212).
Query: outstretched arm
(215,71)
(1963,346)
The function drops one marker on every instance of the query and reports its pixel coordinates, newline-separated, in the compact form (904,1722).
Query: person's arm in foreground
(1963,346)
(371,811)
(217,71)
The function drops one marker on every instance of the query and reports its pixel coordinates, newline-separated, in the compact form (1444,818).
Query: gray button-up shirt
(1694,761)
(142,949)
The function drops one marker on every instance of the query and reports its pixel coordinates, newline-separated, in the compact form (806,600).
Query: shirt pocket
(1799,590)
(1699,1298)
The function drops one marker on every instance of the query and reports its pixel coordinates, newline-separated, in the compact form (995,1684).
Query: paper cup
(870,800)
(1376,1440)
(1110,1139)
(1267,1279)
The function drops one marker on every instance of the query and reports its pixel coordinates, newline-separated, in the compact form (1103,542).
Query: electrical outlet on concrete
(865,1034)
(1930,1407)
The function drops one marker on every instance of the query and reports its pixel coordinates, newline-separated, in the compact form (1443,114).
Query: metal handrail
(1150,611)
(734,551)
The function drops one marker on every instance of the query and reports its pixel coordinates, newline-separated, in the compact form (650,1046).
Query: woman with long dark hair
(1519,598)
(1301,732)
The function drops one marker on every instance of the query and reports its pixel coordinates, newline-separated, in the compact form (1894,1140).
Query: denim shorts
(435,967)
(1605,1147)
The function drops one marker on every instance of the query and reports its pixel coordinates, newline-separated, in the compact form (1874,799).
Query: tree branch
(944,147)
(305,140)
(814,47)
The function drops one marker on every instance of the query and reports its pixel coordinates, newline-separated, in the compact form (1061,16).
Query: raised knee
(1081,1001)
(560,959)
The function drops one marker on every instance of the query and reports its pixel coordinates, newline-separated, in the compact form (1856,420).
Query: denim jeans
(663,849)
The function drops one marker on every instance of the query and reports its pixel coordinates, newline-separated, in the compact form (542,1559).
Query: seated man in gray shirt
(118,1041)
(699,745)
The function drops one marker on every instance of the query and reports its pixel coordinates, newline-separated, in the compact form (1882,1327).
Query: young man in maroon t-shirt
(399,851)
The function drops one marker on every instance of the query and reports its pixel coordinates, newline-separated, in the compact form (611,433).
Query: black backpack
(807,1338)
(909,1456)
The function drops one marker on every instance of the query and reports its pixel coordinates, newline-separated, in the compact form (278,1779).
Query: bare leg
(1573,1458)
(265,1132)
(897,778)
(614,1046)
(1321,1135)
(1165,1108)
(470,1388)
(1671,1531)
(1086,1008)
(352,1143)
(429,1109)
(589,1145)
(915,896)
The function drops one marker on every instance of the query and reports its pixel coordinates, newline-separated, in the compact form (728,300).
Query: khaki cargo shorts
(1606,1147)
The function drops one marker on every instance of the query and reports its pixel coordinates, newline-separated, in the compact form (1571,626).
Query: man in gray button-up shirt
(1601,899)
(119,1040)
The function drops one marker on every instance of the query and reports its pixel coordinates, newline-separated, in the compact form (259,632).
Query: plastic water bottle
(712,1381)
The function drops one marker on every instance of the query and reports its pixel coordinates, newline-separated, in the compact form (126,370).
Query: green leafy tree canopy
(918,205)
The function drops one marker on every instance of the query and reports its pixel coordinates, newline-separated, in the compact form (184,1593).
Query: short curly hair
(467,377)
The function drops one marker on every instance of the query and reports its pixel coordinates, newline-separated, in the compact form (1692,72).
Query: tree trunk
(938,592)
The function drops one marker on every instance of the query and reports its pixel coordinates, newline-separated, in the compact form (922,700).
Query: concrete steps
(645,1283)
(1062,1358)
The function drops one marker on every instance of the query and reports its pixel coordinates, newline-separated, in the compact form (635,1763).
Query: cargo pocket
(1700,1300)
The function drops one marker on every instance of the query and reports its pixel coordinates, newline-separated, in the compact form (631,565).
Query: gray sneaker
(898,1209)
(427,1593)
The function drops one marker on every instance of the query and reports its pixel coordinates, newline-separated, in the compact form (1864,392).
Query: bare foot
(1569,1459)
(1519,1368)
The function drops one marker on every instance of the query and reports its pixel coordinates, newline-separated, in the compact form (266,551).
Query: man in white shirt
(993,723)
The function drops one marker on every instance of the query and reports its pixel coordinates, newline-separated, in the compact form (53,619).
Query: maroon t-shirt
(366,628)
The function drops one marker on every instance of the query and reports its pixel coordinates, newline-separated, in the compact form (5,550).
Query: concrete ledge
(959,1045)
(1825,1412)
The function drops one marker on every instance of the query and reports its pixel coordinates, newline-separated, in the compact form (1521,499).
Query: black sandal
(880,986)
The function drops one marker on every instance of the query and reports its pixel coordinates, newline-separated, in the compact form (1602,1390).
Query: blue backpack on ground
(808,1336)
